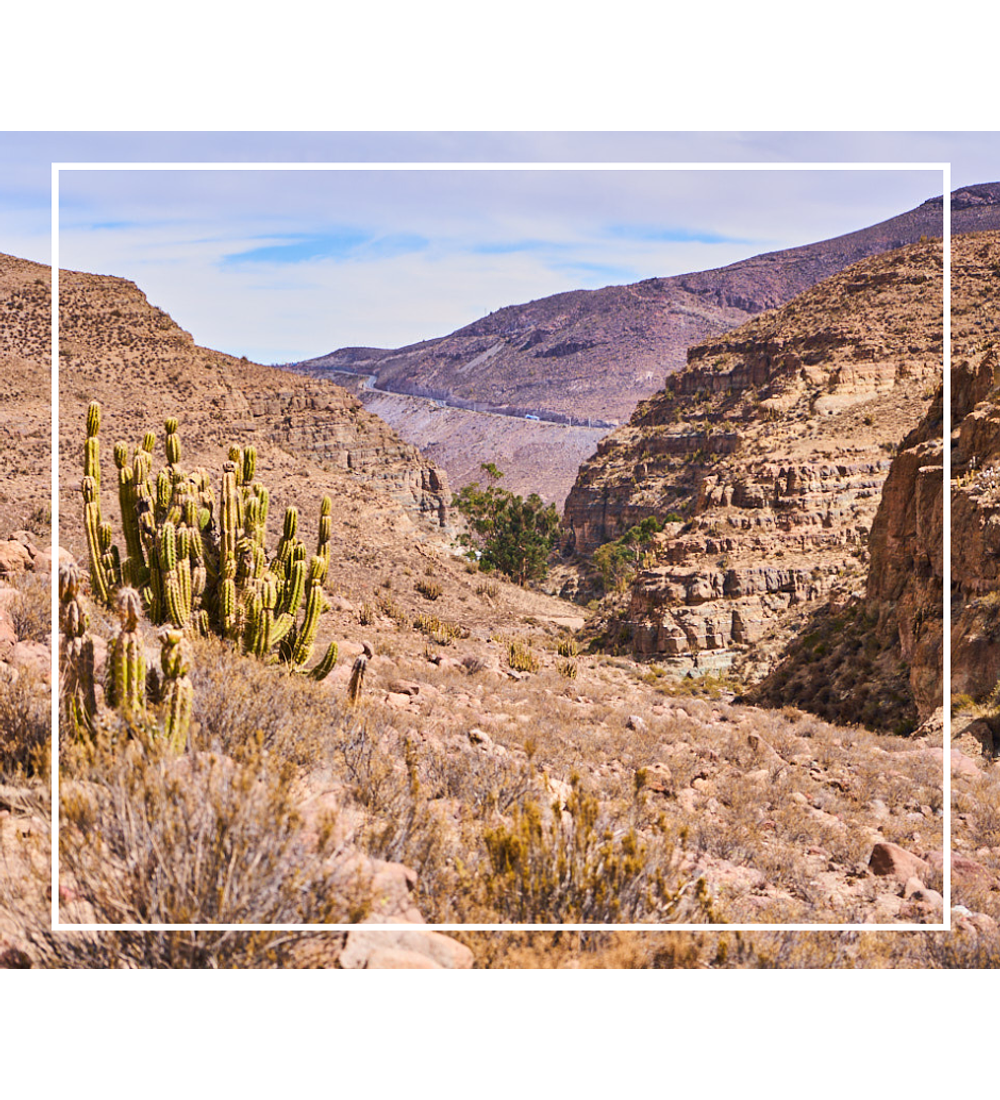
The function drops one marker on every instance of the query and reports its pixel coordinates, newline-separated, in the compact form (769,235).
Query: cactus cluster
(201,568)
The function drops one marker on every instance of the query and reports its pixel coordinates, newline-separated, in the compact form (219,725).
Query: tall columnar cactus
(207,569)
(178,691)
(128,660)
(325,531)
(77,645)
(100,582)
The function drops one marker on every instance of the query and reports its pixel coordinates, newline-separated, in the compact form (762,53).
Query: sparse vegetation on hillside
(492,769)
(619,561)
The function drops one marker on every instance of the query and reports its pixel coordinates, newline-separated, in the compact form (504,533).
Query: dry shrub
(963,952)
(439,631)
(149,838)
(537,950)
(387,606)
(31,610)
(25,726)
(202,950)
(236,702)
(398,823)
(520,656)
(485,782)
(578,867)
(430,590)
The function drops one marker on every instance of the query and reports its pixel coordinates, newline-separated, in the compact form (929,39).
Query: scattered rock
(366,949)
(890,860)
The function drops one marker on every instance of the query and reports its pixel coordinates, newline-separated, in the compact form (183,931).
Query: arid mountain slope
(597,353)
(535,455)
(131,357)
(25,388)
(772,445)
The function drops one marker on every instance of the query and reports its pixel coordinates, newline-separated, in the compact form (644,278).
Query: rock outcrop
(772,447)
(975,495)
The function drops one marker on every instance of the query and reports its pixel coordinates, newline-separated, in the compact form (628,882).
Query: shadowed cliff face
(907,543)
(975,521)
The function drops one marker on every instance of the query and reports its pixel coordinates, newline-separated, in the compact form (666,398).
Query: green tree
(619,561)
(513,535)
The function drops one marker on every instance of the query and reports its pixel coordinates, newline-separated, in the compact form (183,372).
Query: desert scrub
(568,647)
(520,656)
(576,867)
(439,631)
(234,704)
(398,821)
(430,590)
(150,838)
(391,609)
(569,669)
(30,611)
(25,726)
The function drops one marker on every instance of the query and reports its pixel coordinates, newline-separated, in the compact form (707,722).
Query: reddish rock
(890,860)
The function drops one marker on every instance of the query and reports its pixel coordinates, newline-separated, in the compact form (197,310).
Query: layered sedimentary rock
(772,448)
(333,428)
(975,520)
(881,659)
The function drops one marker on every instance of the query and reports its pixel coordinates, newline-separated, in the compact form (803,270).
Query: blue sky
(282,265)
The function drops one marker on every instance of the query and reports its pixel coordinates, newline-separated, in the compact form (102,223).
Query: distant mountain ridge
(597,353)
(589,352)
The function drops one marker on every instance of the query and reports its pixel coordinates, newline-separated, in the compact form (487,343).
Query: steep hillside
(25,388)
(772,446)
(118,349)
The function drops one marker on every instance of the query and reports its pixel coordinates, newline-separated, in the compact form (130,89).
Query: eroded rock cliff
(772,446)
